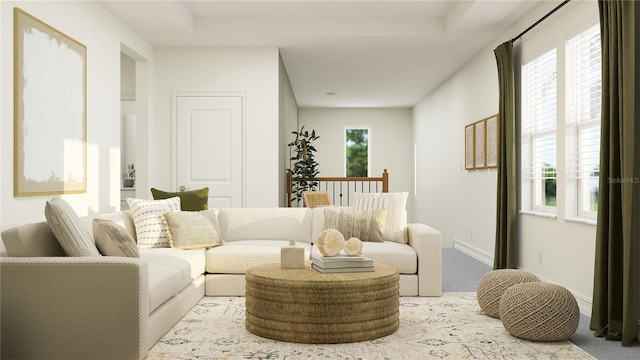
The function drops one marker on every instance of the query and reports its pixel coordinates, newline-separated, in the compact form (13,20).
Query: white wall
(389,139)
(90,24)
(288,111)
(252,72)
(462,204)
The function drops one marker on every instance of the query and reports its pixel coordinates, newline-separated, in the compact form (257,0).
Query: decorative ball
(539,312)
(330,242)
(494,283)
(353,246)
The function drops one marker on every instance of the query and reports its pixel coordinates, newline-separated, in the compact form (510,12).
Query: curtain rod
(540,20)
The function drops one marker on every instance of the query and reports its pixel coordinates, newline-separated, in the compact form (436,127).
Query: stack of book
(342,264)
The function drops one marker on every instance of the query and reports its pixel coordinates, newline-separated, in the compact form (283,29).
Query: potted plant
(305,166)
(130,176)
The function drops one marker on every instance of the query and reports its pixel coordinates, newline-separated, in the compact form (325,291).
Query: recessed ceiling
(368,53)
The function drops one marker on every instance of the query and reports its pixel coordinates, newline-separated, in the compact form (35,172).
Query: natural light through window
(357,152)
(584,88)
(539,161)
(560,128)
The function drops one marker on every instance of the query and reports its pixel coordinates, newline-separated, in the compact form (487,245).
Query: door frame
(174,135)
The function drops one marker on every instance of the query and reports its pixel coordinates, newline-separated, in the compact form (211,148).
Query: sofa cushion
(400,256)
(189,262)
(113,239)
(34,239)
(151,232)
(362,224)
(68,229)
(395,224)
(170,271)
(265,224)
(236,257)
(193,229)
(191,200)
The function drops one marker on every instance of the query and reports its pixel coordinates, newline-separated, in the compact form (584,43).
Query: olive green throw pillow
(192,200)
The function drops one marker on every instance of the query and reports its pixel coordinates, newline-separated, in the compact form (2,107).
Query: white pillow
(113,239)
(363,224)
(66,226)
(394,227)
(151,232)
(194,229)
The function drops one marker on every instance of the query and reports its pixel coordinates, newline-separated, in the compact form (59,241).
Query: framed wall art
(492,141)
(49,109)
(481,144)
(469,146)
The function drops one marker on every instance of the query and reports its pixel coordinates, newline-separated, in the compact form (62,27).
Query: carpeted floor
(448,327)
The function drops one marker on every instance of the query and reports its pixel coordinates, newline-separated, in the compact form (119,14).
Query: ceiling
(341,53)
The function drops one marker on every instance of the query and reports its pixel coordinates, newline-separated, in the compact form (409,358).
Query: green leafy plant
(305,166)
(130,174)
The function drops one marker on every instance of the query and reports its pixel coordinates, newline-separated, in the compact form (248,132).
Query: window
(357,152)
(560,129)
(584,89)
(539,108)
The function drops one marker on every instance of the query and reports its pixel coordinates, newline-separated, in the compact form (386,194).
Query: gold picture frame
(469,146)
(50,130)
(481,144)
(492,124)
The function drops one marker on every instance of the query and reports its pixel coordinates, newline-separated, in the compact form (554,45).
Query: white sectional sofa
(108,307)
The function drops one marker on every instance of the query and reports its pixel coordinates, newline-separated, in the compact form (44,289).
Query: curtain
(505,256)
(615,293)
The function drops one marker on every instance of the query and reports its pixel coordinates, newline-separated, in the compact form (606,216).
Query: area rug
(447,327)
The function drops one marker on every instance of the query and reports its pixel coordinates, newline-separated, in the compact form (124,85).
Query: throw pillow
(151,231)
(192,200)
(66,226)
(193,229)
(113,239)
(364,224)
(395,224)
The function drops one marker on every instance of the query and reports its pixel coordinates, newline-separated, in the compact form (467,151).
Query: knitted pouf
(539,312)
(494,283)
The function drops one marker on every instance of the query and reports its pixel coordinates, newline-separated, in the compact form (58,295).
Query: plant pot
(128,183)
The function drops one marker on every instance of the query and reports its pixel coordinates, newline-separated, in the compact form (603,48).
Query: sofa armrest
(74,307)
(427,242)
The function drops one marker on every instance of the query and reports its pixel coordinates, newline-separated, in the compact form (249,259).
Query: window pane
(584,87)
(357,149)
(539,117)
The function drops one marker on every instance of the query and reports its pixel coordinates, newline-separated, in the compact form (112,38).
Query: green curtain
(615,293)
(505,256)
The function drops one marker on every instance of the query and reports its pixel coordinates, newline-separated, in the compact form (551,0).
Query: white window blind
(584,89)
(539,100)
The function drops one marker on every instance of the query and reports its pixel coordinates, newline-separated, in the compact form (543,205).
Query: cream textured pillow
(193,229)
(364,224)
(65,224)
(151,232)
(113,239)
(395,223)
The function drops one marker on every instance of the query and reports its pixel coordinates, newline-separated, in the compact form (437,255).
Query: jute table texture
(306,306)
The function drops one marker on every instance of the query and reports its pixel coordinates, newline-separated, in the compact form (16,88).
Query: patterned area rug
(448,327)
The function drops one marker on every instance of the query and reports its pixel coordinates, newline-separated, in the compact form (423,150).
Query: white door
(209,147)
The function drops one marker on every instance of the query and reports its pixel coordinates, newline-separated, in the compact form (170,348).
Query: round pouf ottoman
(494,283)
(539,312)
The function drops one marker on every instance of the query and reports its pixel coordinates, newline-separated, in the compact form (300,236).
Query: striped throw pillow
(151,231)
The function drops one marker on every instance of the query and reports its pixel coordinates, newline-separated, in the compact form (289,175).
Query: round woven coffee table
(306,306)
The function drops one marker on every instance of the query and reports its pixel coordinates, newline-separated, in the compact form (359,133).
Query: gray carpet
(461,272)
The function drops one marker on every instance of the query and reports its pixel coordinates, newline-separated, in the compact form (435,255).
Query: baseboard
(473,252)
(584,302)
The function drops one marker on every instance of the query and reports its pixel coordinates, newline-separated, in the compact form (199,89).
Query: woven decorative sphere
(494,283)
(539,312)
